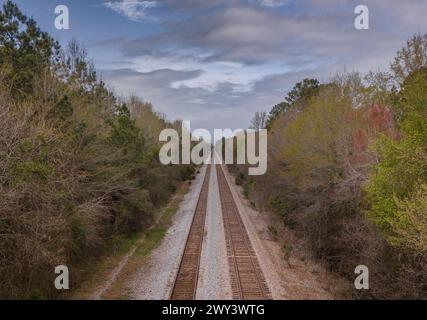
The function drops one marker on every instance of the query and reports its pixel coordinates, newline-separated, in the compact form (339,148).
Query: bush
(240,179)
(248,187)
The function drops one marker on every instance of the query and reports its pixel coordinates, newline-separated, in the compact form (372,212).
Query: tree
(410,58)
(258,122)
(81,70)
(24,48)
(296,99)
(317,146)
(397,185)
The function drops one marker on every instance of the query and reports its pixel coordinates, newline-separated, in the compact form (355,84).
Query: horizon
(216,63)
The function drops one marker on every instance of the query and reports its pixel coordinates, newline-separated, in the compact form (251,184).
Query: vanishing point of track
(247,280)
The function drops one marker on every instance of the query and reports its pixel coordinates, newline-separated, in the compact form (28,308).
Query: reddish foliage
(380,120)
(360,141)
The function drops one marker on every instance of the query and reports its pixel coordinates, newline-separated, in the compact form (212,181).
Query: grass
(138,246)
(151,241)
(155,235)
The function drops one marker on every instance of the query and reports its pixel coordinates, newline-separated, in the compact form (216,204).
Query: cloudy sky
(216,62)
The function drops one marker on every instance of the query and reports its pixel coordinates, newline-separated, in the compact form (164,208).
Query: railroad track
(188,273)
(247,280)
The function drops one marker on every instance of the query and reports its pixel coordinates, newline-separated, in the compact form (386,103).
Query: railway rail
(247,279)
(188,273)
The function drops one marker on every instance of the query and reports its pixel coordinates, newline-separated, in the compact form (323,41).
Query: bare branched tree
(259,121)
(410,58)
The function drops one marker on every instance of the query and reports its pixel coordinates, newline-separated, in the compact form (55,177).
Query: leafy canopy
(24,48)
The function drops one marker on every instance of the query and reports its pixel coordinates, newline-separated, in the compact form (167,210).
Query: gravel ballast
(155,278)
(214,280)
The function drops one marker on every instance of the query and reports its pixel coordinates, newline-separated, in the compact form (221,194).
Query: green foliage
(278,205)
(248,187)
(30,169)
(403,167)
(411,101)
(64,109)
(287,251)
(317,144)
(411,224)
(25,48)
(132,211)
(34,162)
(125,134)
(187,173)
(296,99)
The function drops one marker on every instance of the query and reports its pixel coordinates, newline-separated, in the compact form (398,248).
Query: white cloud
(135,10)
(273,3)
(249,53)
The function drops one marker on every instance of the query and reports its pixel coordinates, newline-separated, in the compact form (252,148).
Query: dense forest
(79,168)
(347,173)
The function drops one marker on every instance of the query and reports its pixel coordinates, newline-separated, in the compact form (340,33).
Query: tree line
(347,172)
(79,167)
